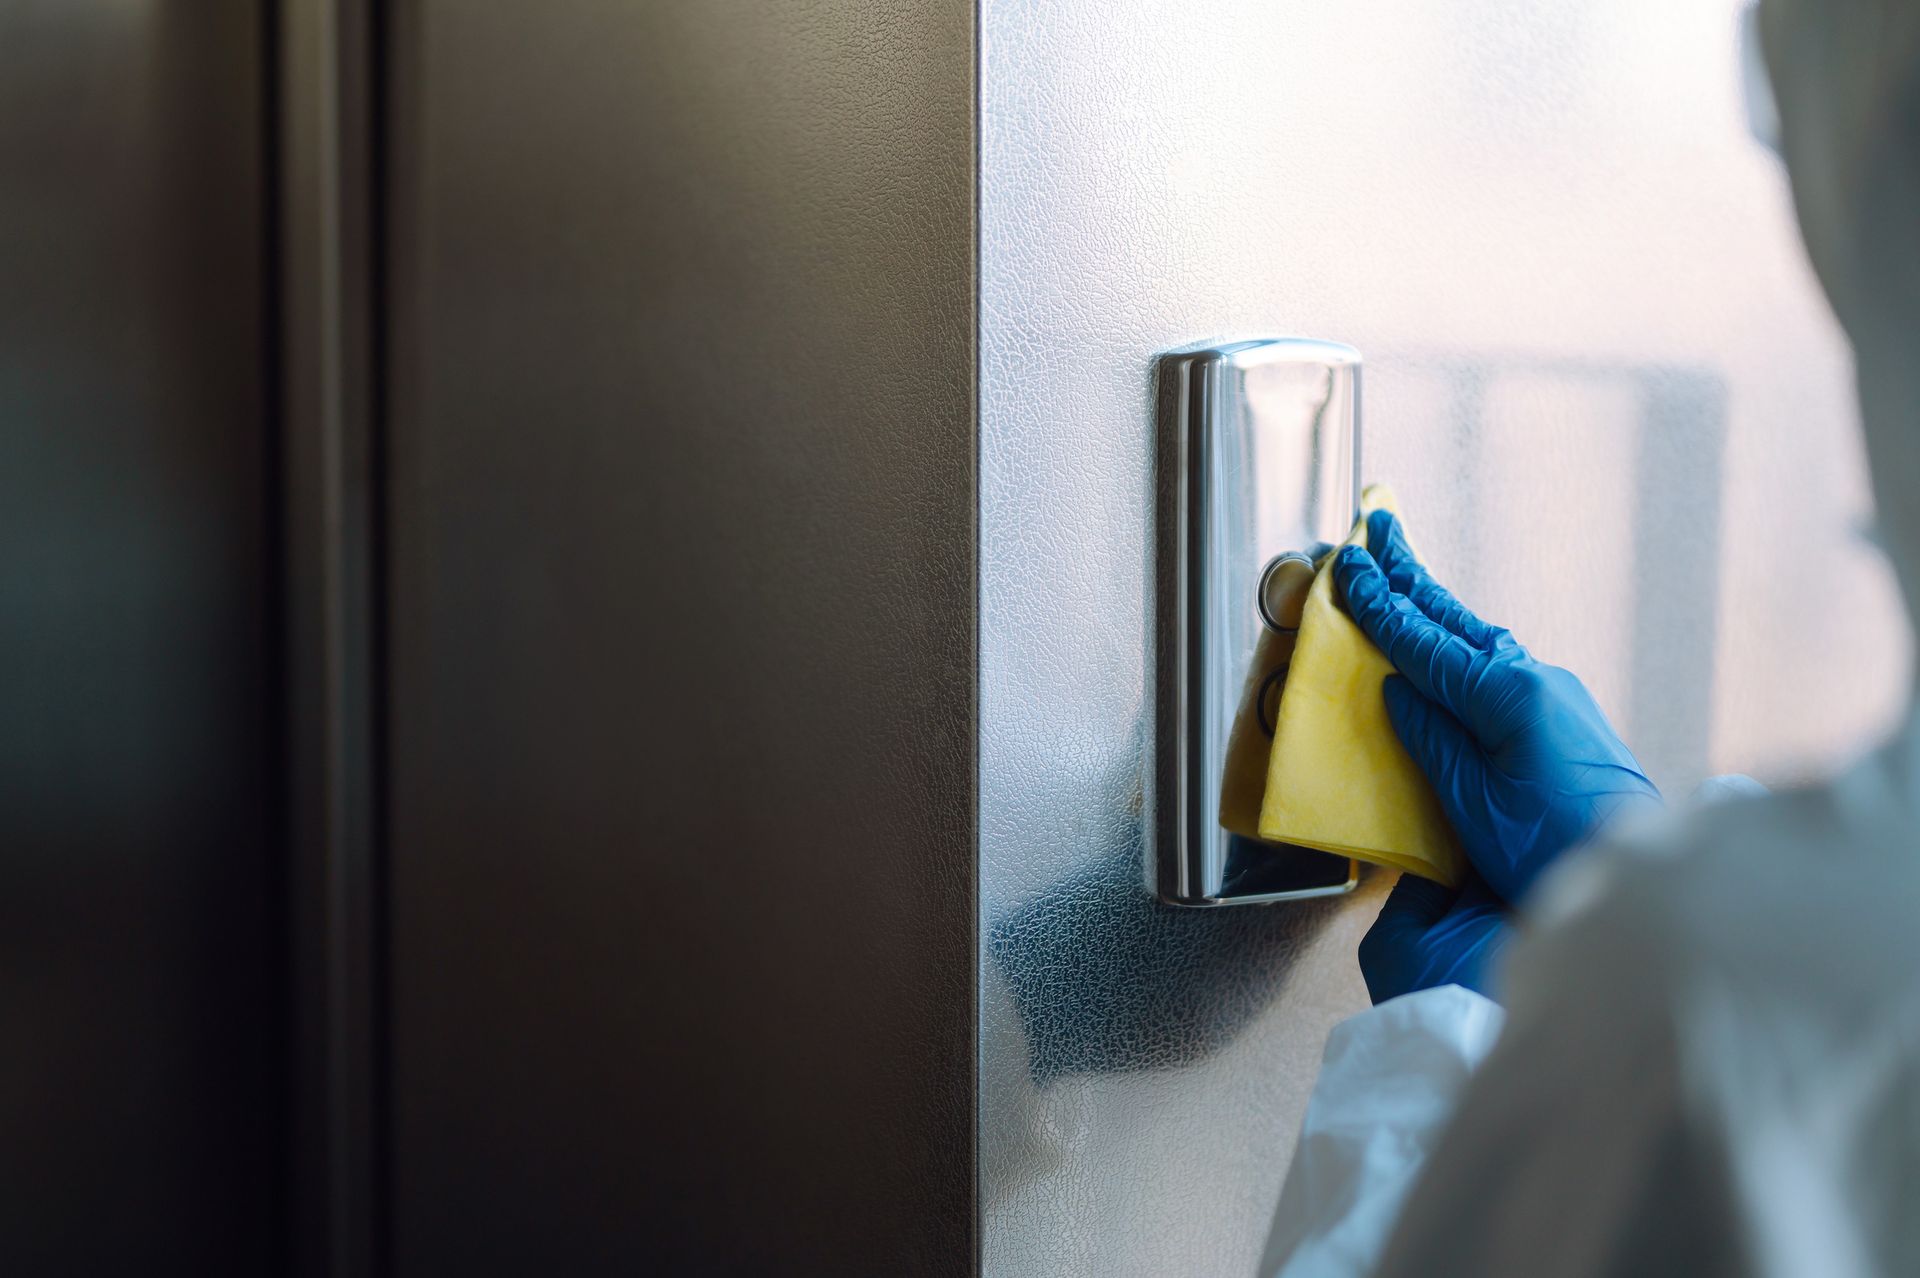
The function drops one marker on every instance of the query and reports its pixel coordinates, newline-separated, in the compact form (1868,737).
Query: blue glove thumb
(1428,935)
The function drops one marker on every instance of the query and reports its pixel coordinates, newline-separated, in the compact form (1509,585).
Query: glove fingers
(1442,748)
(1438,662)
(1406,575)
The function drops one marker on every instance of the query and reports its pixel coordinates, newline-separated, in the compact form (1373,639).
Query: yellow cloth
(1338,778)
(1243,781)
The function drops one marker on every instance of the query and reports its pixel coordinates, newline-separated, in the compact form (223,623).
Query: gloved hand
(1524,762)
(1429,935)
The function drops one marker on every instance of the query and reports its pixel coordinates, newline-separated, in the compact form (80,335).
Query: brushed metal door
(682,633)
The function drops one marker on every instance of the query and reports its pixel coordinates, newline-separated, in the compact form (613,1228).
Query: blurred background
(576,594)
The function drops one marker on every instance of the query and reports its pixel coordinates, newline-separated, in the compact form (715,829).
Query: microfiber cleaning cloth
(1338,778)
(1243,780)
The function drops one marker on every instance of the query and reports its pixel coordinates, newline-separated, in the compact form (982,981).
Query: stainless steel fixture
(1259,472)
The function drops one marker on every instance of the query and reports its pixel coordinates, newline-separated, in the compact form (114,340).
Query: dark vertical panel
(139,968)
(682,825)
(329,110)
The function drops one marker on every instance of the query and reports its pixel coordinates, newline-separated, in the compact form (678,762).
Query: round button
(1283,591)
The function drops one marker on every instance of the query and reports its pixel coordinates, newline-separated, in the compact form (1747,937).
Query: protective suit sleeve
(1571,1153)
(1387,1086)
(1554,1134)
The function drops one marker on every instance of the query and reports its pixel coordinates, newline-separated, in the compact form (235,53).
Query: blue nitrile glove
(1525,764)
(1429,935)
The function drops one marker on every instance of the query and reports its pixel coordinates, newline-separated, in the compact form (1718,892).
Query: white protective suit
(1710,1059)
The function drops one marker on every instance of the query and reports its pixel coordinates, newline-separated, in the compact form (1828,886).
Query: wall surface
(1599,374)
(140,963)
(682,657)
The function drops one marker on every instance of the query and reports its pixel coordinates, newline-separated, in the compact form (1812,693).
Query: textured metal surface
(1601,381)
(139,961)
(682,647)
